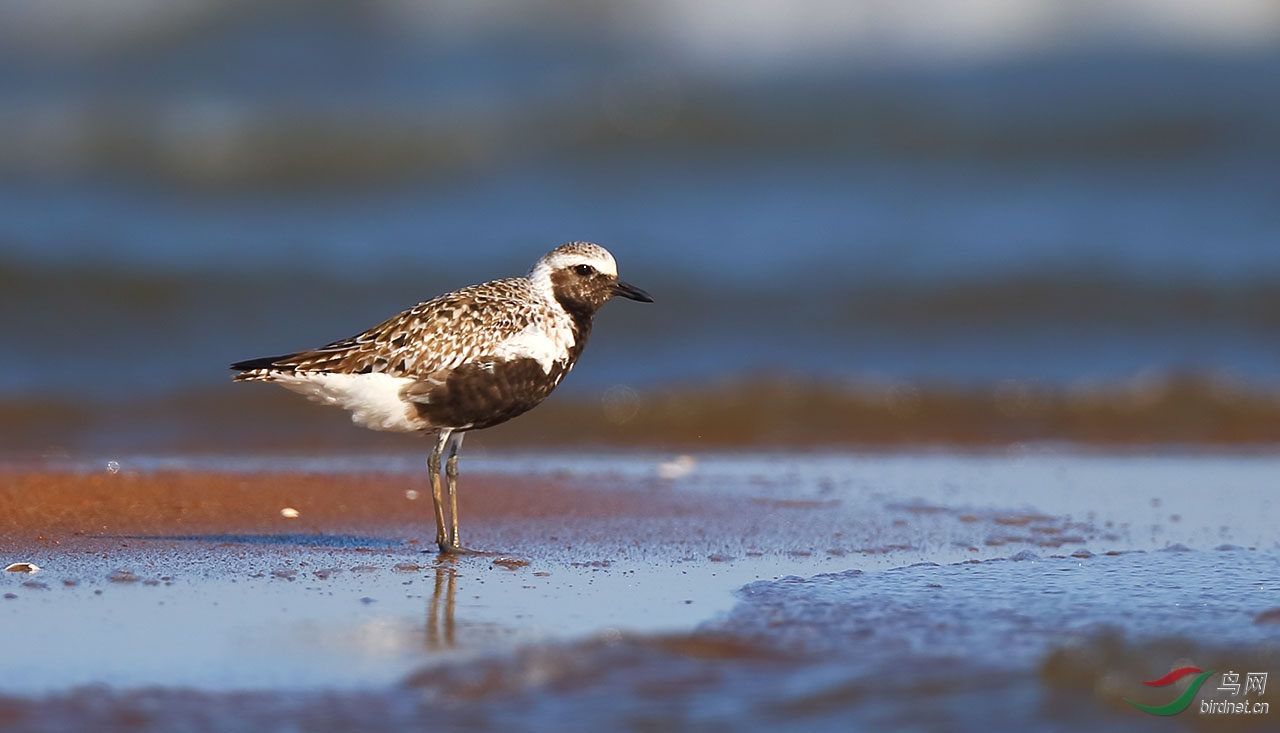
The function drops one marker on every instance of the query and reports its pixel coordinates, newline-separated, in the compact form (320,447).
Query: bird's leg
(433,466)
(451,476)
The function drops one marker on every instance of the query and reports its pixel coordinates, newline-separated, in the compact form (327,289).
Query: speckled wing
(438,335)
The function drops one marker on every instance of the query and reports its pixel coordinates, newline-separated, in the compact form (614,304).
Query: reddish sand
(70,508)
(547,517)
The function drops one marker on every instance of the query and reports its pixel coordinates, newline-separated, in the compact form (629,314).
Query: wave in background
(1067,196)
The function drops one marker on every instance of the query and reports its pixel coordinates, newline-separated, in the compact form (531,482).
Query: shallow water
(1032,644)
(881,590)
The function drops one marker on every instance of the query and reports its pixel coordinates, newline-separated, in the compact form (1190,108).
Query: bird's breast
(484,392)
(545,343)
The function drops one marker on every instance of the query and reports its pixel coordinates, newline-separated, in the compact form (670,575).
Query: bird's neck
(580,318)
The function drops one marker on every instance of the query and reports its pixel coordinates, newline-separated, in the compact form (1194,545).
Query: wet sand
(814,590)
(78,510)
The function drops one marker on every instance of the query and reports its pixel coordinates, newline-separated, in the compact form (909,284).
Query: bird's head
(583,276)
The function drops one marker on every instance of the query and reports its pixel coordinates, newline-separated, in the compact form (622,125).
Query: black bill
(631,291)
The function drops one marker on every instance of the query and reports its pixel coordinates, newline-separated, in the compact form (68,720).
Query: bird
(465,360)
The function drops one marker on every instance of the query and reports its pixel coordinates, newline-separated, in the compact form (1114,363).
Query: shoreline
(779,587)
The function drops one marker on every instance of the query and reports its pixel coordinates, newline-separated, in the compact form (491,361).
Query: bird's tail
(262,368)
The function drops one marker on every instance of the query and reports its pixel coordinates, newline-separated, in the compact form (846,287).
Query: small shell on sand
(23,567)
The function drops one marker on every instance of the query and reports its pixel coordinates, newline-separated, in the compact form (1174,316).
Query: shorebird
(465,360)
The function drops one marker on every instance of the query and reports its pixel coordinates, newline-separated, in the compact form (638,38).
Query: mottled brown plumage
(440,334)
(466,360)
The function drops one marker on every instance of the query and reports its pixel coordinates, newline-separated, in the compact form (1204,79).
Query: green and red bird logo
(1183,700)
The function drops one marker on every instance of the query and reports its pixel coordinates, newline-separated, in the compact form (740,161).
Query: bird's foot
(450,548)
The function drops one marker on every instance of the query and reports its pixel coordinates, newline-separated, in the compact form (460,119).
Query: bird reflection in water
(440,630)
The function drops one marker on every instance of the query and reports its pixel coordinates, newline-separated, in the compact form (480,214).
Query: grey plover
(466,360)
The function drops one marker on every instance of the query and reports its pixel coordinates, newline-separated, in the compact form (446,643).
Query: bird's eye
(584,270)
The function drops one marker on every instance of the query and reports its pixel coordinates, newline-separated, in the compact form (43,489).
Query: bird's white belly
(374,400)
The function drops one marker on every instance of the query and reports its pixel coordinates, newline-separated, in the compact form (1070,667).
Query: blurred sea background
(868,223)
